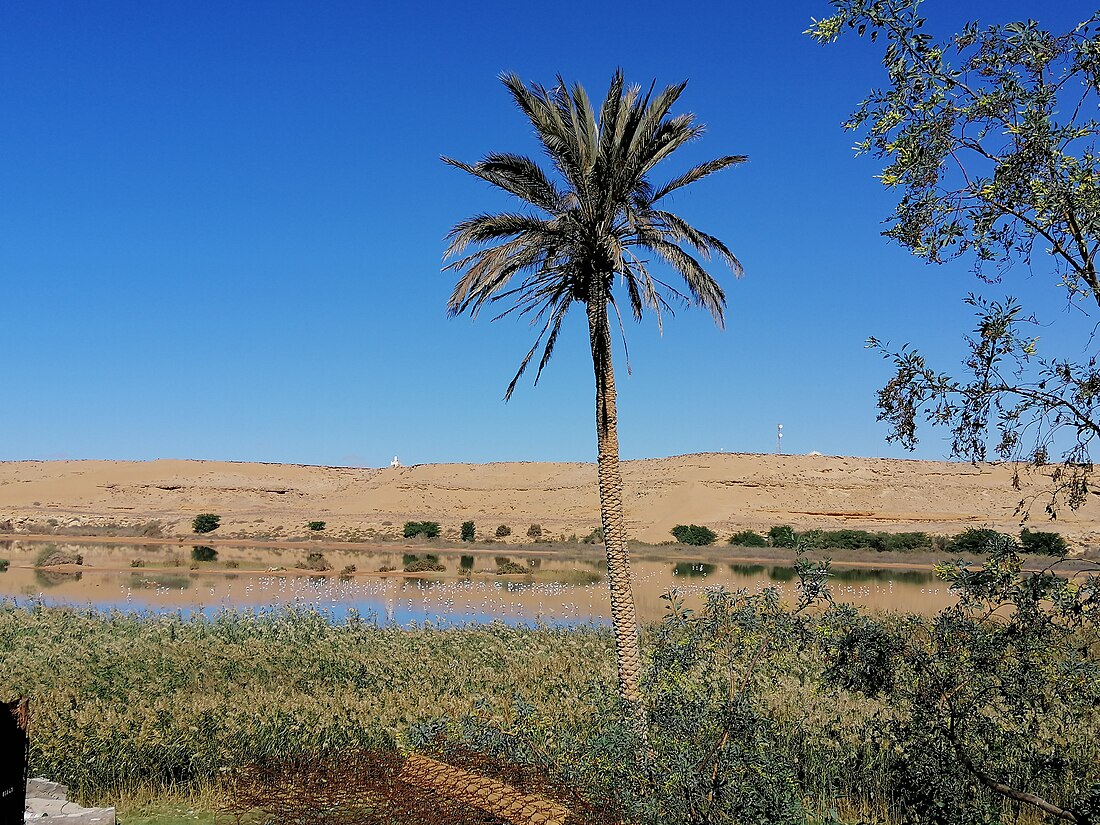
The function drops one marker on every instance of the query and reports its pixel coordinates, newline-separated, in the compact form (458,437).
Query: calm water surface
(558,588)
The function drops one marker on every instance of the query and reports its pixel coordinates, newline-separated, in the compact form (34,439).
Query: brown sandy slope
(723,491)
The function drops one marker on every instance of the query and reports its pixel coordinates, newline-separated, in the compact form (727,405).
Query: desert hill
(725,492)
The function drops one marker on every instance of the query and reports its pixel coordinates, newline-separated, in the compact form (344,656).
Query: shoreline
(869,559)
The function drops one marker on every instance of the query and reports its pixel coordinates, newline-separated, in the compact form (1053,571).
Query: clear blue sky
(222,224)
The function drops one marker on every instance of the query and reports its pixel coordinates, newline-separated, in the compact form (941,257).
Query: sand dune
(726,492)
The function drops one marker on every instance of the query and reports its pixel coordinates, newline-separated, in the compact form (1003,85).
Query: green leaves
(591,220)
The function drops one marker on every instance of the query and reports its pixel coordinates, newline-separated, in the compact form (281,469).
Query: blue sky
(222,228)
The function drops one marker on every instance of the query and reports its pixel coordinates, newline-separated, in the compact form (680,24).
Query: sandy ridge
(723,491)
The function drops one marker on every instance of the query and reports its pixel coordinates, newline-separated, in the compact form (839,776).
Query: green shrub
(503,531)
(200,552)
(782,535)
(693,534)
(595,537)
(428,529)
(316,526)
(1043,543)
(748,538)
(348,570)
(137,563)
(508,566)
(882,542)
(206,523)
(467,531)
(4,565)
(534,532)
(466,562)
(979,540)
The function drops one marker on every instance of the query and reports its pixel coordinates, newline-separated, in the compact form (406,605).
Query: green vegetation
(506,566)
(466,563)
(200,552)
(4,564)
(534,532)
(467,531)
(782,536)
(503,531)
(979,540)
(595,537)
(693,534)
(988,142)
(206,523)
(593,220)
(841,715)
(748,538)
(1043,543)
(427,529)
(316,526)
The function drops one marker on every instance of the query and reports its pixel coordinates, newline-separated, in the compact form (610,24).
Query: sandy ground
(725,492)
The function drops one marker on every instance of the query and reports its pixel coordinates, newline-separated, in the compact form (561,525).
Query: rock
(49,801)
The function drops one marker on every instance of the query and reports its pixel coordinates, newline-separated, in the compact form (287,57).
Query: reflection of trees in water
(693,569)
(52,578)
(200,552)
(840,574)
(902,576)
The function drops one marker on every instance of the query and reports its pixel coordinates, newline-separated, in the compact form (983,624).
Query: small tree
(503,531)
(534,532)
(693,534)
(467,531)
(316,526)
(206,523)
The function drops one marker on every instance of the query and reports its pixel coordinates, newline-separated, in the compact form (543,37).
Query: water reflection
(559,588)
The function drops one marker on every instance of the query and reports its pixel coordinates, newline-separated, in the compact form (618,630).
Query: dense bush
(316,526)
(979,540)
(534,532)
(466,562)
(506,566)
(503,531)
(782,535)
(879,541)
(467,531)
(693,534)
(428,529)
(4,564)
(748,538)
(1043,543)
(206,522)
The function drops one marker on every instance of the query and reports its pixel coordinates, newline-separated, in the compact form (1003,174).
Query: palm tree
(586,225)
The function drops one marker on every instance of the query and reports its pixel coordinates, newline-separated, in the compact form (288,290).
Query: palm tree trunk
(624,618)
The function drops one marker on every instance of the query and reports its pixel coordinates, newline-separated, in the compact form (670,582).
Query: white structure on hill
(395,463)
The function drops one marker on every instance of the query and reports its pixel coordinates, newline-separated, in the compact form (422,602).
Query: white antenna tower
(779,439)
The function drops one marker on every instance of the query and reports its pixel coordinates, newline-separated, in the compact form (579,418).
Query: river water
(559,588)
